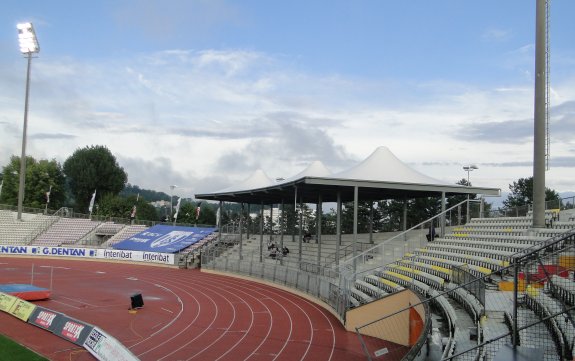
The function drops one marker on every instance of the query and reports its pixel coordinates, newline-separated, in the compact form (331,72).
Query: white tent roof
(380,176)
(315,169)
(258,179)
(383,166)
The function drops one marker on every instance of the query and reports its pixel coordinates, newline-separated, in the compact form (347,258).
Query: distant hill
(147,194)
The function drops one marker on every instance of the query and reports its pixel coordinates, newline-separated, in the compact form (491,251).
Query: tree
(149,195)
(110,205)
(522,193)
(41,176)
(93,168)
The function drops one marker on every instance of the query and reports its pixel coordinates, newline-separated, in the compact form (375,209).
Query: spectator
(285,251)
(431,235)
(307,236)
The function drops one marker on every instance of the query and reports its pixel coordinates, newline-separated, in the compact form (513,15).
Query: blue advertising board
(163,238)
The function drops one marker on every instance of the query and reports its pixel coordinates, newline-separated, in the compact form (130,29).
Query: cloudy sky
(200,93)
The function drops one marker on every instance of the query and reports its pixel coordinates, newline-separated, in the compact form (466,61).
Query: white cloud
(497,35)
(204,119)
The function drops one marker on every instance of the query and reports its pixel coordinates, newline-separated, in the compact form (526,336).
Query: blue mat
(25,292)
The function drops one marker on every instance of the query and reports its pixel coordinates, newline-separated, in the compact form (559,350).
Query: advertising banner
(22,309)
(106,348)
(6,302)
(72,330)
(113,254)
(45,318)
(165,239)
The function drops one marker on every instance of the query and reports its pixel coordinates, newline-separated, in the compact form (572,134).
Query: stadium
(465,283)
(482,282)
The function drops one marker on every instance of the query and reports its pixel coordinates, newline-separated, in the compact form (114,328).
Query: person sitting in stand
(274,253)
(307,236)
(431,235)
(285,251)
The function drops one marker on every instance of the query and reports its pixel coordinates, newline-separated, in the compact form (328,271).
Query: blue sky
(202,93)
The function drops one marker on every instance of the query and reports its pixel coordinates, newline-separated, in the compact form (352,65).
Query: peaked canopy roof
(380,176)
(258,179)
(315,169)
(382,165)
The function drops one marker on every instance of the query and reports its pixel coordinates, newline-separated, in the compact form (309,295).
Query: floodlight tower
(28,46)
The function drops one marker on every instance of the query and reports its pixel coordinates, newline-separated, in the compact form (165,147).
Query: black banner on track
(72,330)
(45,318)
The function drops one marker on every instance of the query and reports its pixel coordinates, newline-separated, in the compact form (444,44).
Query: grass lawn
(11,351)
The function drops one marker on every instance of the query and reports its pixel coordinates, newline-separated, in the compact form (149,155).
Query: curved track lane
(187,314)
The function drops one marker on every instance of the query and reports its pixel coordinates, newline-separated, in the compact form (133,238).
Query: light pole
(172,199)
(469,168)
(28,46)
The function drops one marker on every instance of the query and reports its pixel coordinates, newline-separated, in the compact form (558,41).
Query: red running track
(187,314)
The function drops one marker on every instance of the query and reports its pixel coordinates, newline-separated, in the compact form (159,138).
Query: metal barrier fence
(529,304)
(319,282)
(521,211)
(462,276)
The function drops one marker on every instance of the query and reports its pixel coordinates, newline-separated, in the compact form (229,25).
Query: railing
(390,250)
(520,211)
(539,311)
(319,282)
(344,252)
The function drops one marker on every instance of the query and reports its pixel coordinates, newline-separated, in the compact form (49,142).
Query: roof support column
(262,232)
(371,222)
(294,214)
(248,223)
(404,220)
(338,227)
(467,215)
(355,206)
(271,223)
(443,204)
(281,224)
(318,213)
(300,228)
(241,228)
(221,211)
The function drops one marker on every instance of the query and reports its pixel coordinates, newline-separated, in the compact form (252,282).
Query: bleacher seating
(564,289)
(66,231)
(108,229)
(427,278)
(382,283)
(467,299)
(125,233)
(545,306)
(198,245)
(13,232)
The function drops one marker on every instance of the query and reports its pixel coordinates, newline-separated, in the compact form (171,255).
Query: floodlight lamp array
(27,38)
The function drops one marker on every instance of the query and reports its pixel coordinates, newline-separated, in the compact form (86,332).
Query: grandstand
(464,275)
(467,273)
